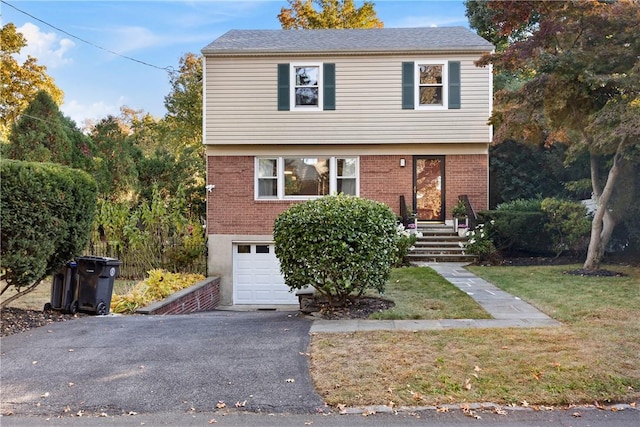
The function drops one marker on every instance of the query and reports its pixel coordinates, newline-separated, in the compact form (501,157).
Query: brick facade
(232,208)
(467,174)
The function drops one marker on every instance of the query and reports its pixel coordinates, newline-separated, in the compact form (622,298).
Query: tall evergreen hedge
(46,215)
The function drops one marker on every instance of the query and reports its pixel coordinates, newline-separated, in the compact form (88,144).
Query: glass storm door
(428,183)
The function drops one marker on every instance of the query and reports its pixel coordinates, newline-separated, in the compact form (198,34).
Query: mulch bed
(16,320)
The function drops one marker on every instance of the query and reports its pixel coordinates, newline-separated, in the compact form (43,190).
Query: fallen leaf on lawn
(525,403)
(221,404)
(467,384)
(477,368)
(290,380)
(537,375)
(416,396)
(241,404)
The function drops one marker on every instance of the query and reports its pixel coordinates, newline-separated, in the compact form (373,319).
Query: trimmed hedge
(539,227)
(47,211)
(341,245)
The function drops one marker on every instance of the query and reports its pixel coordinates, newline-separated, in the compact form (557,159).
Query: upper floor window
(430,84)
(305,177)
(306,87)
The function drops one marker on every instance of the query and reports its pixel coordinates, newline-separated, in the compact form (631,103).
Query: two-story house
(291,115)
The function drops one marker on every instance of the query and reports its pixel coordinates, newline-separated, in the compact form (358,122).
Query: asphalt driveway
(152,364)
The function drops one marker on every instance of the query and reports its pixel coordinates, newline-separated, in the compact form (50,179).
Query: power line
(168,69)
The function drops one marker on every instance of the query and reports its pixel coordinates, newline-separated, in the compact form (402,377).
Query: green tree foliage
(568,224)
(47,211)
(156,233)
(184,103)
(115,166)
(584,89)
(341,245)
(340,14)
(43,134)
(525,171)
(19,83)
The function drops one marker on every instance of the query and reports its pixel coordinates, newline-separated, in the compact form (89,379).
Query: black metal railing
(471,213)
(404,212)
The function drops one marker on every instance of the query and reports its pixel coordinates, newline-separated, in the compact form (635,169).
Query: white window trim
(333,177)
(445,84)
(292,86)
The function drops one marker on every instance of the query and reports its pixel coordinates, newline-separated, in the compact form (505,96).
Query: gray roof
(249,42)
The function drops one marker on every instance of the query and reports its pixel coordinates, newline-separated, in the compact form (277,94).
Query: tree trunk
(14,297)
(603,222)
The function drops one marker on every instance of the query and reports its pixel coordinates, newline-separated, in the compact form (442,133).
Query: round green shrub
(341,245)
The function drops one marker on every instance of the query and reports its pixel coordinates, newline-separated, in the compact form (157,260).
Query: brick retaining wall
(203,296)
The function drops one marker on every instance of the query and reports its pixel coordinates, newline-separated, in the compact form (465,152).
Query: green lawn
(593,357)
(421,293)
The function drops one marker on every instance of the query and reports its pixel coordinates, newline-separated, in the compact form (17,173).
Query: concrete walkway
(508,311)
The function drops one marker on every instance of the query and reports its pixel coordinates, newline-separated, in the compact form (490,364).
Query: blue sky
(97,83)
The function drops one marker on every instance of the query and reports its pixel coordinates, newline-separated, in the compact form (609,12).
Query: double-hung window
(431,84)
(306,86)
(305,177)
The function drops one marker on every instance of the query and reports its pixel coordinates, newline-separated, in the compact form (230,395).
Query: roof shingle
(347,41)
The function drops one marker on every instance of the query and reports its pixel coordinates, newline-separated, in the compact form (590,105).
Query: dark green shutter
(454,84)
(283,87)
(329,94)
(408,91)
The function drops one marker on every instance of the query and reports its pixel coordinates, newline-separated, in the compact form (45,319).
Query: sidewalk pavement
(508,311)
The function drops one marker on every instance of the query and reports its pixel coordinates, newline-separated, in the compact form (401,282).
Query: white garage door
(256,276)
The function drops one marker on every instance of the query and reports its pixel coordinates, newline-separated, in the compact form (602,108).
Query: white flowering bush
(405,241)
(480,242)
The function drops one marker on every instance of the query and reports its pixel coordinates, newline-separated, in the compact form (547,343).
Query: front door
(428,184)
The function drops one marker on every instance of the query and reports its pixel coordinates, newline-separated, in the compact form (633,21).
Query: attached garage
(256,276)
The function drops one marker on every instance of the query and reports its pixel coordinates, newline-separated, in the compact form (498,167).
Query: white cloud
(80,112)
(48,48)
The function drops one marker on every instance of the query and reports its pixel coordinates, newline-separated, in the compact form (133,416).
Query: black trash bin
(96,276)
(63,289)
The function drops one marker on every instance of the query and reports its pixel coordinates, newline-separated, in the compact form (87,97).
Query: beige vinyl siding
(241,105)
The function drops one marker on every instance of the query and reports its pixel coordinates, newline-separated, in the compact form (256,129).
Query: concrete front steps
(439,243)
